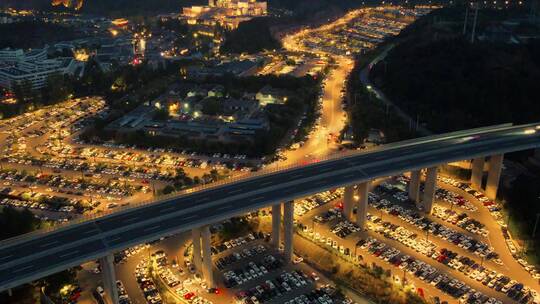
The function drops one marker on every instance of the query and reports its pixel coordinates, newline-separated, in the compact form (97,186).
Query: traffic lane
(242,187)
(193,218)
(448,154)
(58,259)
(111,223)
(175,204)
(47,242)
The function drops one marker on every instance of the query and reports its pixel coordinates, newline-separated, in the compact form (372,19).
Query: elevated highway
(36,255)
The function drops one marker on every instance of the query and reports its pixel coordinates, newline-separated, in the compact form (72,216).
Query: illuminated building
(228,13)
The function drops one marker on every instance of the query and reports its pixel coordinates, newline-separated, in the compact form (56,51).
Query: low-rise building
(17,66)
(269,95)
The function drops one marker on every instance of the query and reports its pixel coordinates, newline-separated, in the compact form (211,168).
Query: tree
(57,89)
(211,106)
(161,114)
(250,37)
(23,91)
(14,222)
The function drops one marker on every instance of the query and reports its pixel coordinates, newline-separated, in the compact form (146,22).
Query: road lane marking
(6,257)
(91,231)
(130,220)
(167,209)
(48,244)
(297,175)
(235,191)
(257,198)
(189,217)
(320,182)
(223,208)
(115,239)
(152,228)
(22,269)
(69,253)
(266,183)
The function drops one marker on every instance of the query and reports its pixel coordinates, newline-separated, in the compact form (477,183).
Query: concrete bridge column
(429,189)
(109,278)
(494,175)
(361,213)
(414,186)
(348,202)
(207,257)
(276,224)
(196,239)
(288,222)
(477,173)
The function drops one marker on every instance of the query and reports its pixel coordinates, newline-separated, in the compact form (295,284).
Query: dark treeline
(251,37)
(109,8)
(452,84)
(33,34)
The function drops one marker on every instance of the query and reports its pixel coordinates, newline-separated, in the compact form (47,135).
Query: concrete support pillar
(477,172)
(361,211)
(197,258)
(348,202)
(414,186)
(109,278)
(494,175)
(288,223)
(9,292)
(276,224)
(429,189)
(207,257)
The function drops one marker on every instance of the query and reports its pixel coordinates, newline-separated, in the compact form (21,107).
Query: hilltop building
(228,13)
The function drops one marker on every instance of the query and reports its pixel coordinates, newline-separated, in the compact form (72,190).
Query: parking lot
(449,250)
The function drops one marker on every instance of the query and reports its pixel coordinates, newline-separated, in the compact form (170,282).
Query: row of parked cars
(250,272)
(455,199)
(305,205)
(236,256)
(323,295)
(146,283)
(448,234)
(470,268)
(494,209)
(462,220)
(275,288)
(344,228)
(424,272)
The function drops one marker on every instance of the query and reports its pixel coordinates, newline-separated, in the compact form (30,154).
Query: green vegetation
(436,73)
(523,207)
(369,280)
(251,37)
(367,112)
(33,34)
(110,8)
(14,222)
(58,89)
(282,118)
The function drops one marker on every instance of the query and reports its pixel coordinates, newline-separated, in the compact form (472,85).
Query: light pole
(535,225)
